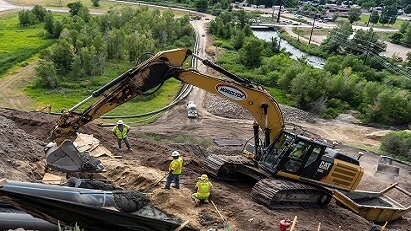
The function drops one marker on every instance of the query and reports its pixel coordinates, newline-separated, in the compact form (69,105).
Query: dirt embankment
(144,168)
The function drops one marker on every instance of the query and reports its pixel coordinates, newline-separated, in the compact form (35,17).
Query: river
(314,61)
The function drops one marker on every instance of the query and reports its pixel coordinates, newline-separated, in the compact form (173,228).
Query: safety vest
(203,189)
(121,134)
(176,166)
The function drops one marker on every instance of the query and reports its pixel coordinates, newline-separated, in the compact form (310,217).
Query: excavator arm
(147,75)
(61,154)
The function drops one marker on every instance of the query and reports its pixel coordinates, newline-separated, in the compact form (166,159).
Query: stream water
(314,61)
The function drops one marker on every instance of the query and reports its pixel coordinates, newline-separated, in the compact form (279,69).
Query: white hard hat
(120,122)
(175,153)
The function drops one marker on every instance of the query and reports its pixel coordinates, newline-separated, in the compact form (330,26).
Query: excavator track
(278,193)
(225,167)
(271,192)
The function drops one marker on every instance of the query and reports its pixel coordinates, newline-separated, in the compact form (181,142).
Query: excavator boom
(62,155)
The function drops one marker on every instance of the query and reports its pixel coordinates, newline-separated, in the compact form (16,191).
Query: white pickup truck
(191,109)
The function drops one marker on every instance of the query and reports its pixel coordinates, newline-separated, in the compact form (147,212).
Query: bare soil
(24,133)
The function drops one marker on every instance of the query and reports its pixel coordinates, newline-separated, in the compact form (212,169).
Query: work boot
(119,149)
(177,187)
(165,188)
(130,149)
(197,203)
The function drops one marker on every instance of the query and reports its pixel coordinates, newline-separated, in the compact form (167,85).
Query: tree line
(85,43)
(345,83)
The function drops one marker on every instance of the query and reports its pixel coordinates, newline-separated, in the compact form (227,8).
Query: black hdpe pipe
(15,220)
(75,205)
(121,200)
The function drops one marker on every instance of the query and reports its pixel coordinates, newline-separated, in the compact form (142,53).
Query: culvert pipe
(124,201)
(15,220)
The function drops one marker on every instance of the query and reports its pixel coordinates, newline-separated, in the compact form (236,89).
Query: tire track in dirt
(12,86)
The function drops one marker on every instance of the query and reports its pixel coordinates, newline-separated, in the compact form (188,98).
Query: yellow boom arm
(152,73)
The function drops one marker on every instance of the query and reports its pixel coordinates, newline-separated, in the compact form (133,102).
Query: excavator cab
(292,154)
(306,159)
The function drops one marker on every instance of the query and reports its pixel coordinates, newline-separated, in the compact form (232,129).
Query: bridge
(263,26)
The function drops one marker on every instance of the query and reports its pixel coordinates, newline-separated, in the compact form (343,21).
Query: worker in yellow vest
(174,171)
(204,187)
(120,131)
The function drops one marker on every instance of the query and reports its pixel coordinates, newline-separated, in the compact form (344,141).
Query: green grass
(279,95)
(104,5)
(364,19)
(19,44)
(74,92)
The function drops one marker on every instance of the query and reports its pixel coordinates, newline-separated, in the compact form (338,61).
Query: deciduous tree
(354,14)
(74,7)
(27,18)
(96,3)
(201,5)
(46,71)
(374,17)
(250,54)
(40,12)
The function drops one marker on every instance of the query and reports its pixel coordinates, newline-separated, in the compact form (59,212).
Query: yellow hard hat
(203,177)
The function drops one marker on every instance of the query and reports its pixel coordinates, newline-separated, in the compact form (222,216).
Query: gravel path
(221,107)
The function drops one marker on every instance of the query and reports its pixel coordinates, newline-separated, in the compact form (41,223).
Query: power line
(376,57)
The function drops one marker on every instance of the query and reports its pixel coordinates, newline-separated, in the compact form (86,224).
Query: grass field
(364,19)
(62,4)
(18,44)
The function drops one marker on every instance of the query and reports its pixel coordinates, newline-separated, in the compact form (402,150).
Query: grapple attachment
(67,158)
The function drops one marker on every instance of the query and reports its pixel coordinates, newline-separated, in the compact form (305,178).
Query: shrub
(27,18)
(397,143)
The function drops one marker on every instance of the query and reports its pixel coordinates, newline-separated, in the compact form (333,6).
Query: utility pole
(298,34)
(279,41)
(279,10)
(312,28)
(368,48)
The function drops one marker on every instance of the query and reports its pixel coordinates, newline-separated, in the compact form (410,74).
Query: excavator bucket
(67,158)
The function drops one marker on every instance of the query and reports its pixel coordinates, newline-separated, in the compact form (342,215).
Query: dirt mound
(21,155)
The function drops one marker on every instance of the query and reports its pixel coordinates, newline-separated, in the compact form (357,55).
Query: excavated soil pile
(145,167)
(21,154)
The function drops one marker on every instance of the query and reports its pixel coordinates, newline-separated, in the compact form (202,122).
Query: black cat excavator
(289,168)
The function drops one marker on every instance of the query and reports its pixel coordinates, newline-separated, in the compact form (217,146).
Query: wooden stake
(181,226)
(319,226)
(3,182)
(222,218)
(294,223)
(383,228)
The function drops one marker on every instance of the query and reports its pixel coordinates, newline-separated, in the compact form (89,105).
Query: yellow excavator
(289,168)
